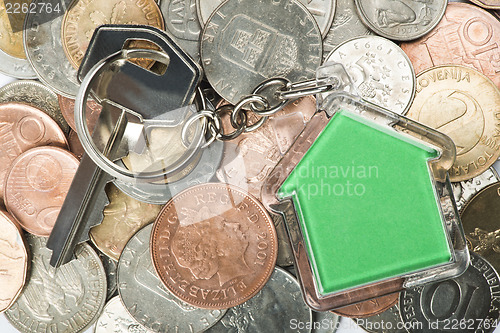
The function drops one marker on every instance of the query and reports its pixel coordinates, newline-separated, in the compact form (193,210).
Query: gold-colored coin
(480,218)
(85,16)
(122,218)
(11,40)
(463,104)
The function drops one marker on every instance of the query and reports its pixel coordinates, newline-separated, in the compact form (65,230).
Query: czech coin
(388,321)
(380,70)
(274,309)
(123,216)
(480,222)
(36,186)
(401,20)
(115,318)
(146,298)
(84,16)
(35,94)
(13,260)
(42,41)
(214,246)
(67,299)
(368,308)
(346,25)
(467,35)
(463,104)
(466,189)
(273,39)
(67,106)
(471,299)
(23,127)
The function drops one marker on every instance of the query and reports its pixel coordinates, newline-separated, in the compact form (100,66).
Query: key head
(145,92)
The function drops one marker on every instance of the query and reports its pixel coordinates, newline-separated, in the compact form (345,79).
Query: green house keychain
(367,201)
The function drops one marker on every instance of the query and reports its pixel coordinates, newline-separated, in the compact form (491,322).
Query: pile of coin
(198,251)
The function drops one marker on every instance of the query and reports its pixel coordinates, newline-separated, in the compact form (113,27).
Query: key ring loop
(238,111)
(214,125)
(239,129)
(83,132)
(282,83)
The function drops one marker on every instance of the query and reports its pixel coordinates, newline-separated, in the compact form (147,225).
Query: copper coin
(248,159)
(214,246)
(75,146)
(463,104)
(23,127)
(368,308)
(467,35)
(84,16)
(36,186)
(67,106)
(489,4)
(13,260)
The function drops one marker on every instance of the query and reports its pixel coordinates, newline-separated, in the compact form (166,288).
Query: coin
(489,4)
(480,222)
(471,298)
(92,112)
(368,308)
(273,39)
(84,16)
(23,127)
(325,322)
(146,298)
(322,11)
(15,67)
(36,186)
(463,104)
(401,20)
(115,318)
(181,21)
(467,35)
(13,260)
(250,158)
(388,321)
(346,25)
(110,267)
(285,253)
(35,94)
(123,216)
(67,299)
(380,70)
(42,41)
(278,307)
(466,189)
(214,246)
(75,146)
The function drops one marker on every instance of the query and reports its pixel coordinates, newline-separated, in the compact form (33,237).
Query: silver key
(133,90)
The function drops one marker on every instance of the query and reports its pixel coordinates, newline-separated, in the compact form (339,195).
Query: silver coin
(15,67)
(146,298)
(110,267)
(285,254)
(346,25)
(325,322)
(181,21)
(158,193)
(380,70)
(464,191)
(67,299)
(37,95)
(42,42)
(468,303)
(323,11)
(388,321)
(278,307)
(401,19)
(115,318)
(243,44)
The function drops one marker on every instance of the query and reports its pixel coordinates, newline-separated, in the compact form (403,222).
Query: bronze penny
(84,16)
(13,260)
(67,106)
(214,246)
(467,35)
(36,186)
(488,4)
(249,158)
(368,308)
(122,218)
(480,222)
(75,146)
(23,127)
(463,104)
